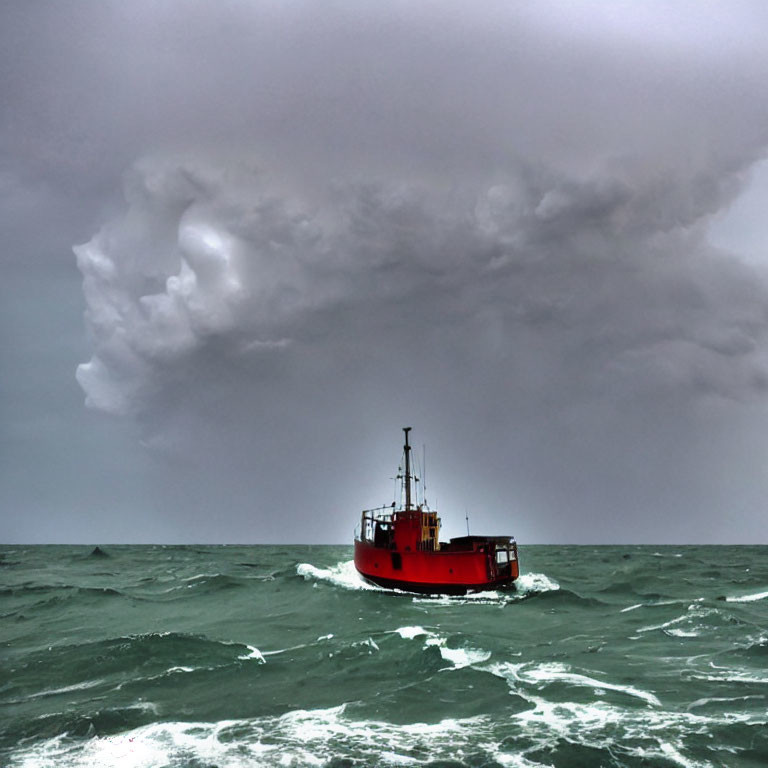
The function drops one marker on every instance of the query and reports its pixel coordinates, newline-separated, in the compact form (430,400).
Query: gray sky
(534,232)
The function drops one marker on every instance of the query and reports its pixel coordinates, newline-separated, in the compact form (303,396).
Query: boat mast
(407,470)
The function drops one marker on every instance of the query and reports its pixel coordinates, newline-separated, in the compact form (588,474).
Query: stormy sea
(281,656)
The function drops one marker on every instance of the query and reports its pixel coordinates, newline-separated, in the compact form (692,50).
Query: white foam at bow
(342,575)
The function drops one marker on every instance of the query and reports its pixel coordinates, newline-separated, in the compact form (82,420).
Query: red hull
(442,571)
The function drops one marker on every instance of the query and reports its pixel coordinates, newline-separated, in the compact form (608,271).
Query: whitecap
(674,754)
(747,598)
(684,632)
(731,676)
(199,576)
(720,700)
(65,689)
(464,657)
(255,653)
(535,583)
(369,642)
(695,611)
(557,672)
(458,657)
(408,633)
(561,673)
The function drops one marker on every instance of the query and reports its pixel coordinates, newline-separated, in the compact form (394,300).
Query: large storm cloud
(489,223)
(610,274)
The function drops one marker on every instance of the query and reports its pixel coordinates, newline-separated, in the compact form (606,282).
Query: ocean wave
(48,692)
(556,672)
(131,661)
(408,633)
(536,675)
(300,737)
(657,603)
(535,584)
(698,620)
(458,657)
(731,676)
(597,724)
(545,732)
(69,589)
(253,653)
(717,700)
(756,646)
(696,632)
(747,598)
(211,582)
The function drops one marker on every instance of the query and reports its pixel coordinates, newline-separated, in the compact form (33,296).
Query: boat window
(502,556)
(382,535)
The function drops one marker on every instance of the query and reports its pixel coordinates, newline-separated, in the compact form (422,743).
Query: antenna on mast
(466,517)
(424,474)
(407,470)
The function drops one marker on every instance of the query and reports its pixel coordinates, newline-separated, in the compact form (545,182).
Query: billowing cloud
(611,274)
(555,310)
(489,222)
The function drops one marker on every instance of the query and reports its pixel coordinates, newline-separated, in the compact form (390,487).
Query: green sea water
(281,656)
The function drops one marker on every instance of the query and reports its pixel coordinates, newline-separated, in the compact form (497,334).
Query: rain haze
(244,244)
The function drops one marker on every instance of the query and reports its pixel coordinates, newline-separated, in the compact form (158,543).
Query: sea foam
(342,574)
(747,598)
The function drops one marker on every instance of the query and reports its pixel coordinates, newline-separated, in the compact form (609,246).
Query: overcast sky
(244,243)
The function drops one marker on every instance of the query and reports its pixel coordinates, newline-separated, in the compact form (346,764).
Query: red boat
(400,548)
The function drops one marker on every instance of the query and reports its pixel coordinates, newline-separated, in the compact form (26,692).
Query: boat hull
(437,589)
(437,572)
